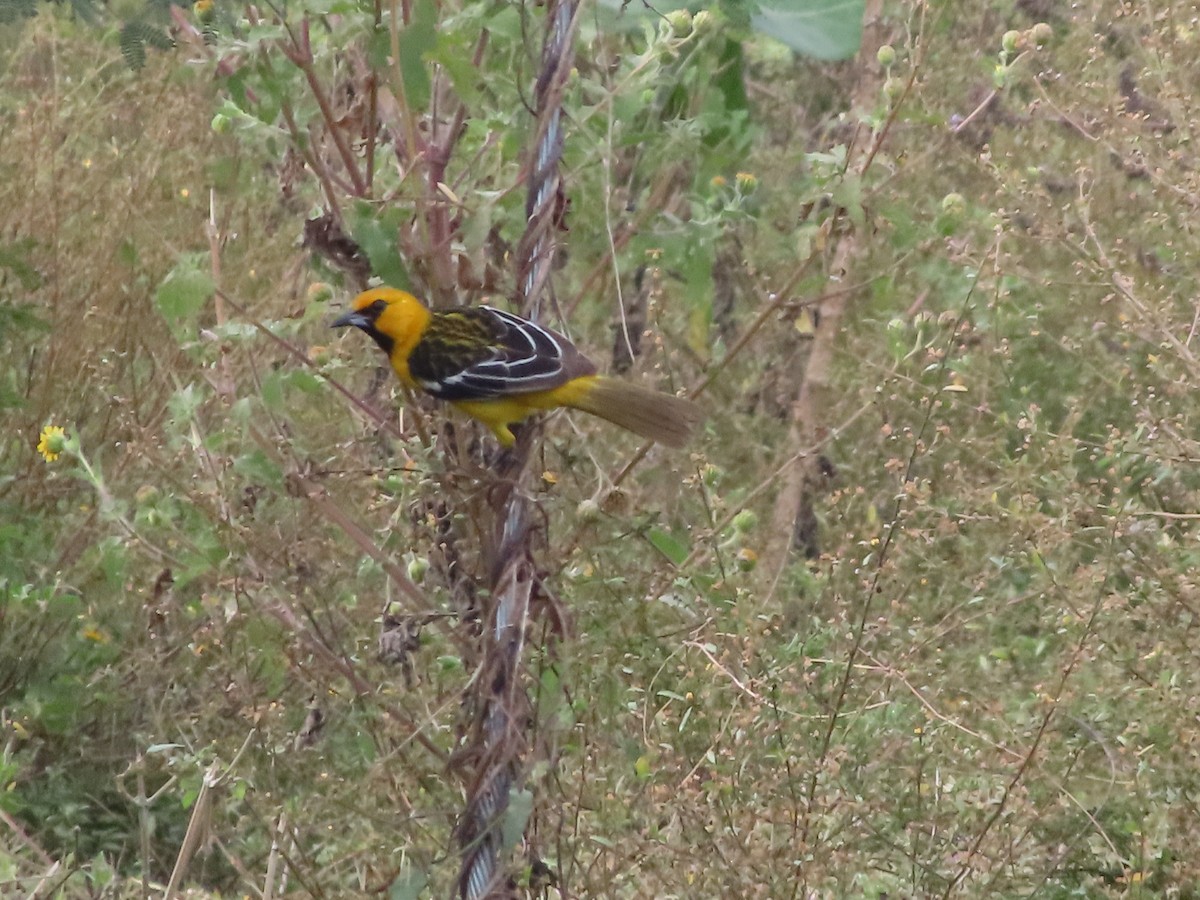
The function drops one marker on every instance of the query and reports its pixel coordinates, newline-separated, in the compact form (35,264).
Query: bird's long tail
(652,414)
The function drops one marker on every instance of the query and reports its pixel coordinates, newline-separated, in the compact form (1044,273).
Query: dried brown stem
(313,162)
(300,54)
(802,481)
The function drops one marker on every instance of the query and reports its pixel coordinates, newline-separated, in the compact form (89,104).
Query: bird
(500,368)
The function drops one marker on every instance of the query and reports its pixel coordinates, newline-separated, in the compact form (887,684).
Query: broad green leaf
(259,468)
(183,292)
(305,381)
(516,815)
(408,884)
(823,29)
(127,254)
(416,40)
(454,56)
(263,32)
(730,77)
(668,545)
(848,194)
(271,390)
(376,234)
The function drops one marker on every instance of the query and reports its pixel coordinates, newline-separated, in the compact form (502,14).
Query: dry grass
(985,686)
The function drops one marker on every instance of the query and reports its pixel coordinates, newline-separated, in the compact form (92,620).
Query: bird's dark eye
(377,308)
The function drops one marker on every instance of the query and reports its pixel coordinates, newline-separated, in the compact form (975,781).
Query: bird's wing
(484,353)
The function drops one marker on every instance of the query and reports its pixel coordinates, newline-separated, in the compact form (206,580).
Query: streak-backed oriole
(500,368)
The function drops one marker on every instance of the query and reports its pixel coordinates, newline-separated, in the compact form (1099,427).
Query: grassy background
(984,685)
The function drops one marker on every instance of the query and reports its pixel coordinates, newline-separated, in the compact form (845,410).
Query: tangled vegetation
(959,664)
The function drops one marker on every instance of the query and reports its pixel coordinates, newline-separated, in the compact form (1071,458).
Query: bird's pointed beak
(354,317)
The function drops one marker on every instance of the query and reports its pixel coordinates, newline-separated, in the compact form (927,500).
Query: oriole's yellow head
(394,319)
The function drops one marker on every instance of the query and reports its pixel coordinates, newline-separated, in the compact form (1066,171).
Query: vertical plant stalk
(301,55)
(501,699)
(802,480)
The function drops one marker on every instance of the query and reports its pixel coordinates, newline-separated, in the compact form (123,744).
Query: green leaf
(416,40)
(263,33)
(259,468)
(271,390)
(730,76)
(668,545)
(127,254)
(454,56)
(849,195)
(823,29)
(134,37)
(15,259)
(305,381)
(376,234)
(183,292)
(408,884)
(516,815)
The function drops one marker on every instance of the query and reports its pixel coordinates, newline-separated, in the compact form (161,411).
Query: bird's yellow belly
(500,412)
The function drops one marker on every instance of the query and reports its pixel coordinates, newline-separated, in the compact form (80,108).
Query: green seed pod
(587,511)
(417,567)
(746,520)
(680,21)
(954,204)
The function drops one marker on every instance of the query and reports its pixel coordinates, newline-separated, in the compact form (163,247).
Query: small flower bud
(703,22)
(745,521)
(954,204)
(680,21)
(417,567)
(587,511)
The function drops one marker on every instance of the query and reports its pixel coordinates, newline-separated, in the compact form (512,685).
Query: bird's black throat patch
(385,343)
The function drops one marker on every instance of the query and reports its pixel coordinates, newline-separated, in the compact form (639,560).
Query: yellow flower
(52,442)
